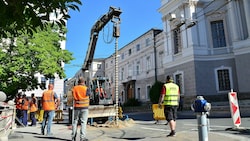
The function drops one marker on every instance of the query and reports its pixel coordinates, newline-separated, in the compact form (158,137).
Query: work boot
(42,132)
(171,134)
(84,139)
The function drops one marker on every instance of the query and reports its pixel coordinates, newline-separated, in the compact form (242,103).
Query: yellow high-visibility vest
(172,94)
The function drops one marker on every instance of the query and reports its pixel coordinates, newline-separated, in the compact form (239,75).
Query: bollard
(201,107)
(202,126)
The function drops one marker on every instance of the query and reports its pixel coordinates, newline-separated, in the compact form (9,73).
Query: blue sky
(137,17)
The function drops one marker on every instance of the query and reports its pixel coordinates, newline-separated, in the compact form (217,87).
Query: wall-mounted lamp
(171,16)
(190,23)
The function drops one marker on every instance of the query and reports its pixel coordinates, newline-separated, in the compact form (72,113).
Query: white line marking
(154,129)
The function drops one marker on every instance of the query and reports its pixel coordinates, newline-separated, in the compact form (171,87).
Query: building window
(122,56)
(177,40)
(148,92)
(129,52)
(99,66)
(161,55)
(223,78)
(112,79)
(147,42)
(138,47)
(218,34)
(122,74)
(138,93)
(43,82)
(179,81)
(130,70)
(138,68)
(148,64)
(52,81)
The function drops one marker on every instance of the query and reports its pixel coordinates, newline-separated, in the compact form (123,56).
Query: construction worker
(25,108)
(49,100)
(33,109)
(18,102)
(169,97)
(81,95)
(99,90)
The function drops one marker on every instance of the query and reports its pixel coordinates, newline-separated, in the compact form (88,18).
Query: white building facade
(207,46)
(204,45)
(137,66)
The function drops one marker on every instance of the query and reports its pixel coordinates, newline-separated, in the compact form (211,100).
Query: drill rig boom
(113,13)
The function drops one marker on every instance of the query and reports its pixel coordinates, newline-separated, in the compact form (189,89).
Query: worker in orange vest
(33,109)
(18,103)
(25,108)
(81,95)
(99,90)
(49,102)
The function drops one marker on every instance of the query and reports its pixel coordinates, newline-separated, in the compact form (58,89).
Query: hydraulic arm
(113,14)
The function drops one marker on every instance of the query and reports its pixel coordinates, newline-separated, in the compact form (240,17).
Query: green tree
(21,58)
(155,92)
(27,15)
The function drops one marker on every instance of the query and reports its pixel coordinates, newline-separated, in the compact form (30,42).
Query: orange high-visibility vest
(80,97)
(33,106)
(25,105)
(19,103)
(48,101)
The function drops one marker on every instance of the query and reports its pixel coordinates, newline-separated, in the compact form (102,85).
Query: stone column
(233,24)
(246,4)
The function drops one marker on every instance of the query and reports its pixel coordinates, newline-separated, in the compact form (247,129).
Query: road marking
(156,129)
(216,126)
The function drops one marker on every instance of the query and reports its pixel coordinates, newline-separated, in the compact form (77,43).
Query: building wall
(199,62)
(198,52)
(136,62)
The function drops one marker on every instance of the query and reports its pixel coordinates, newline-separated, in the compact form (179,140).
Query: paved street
(142,129)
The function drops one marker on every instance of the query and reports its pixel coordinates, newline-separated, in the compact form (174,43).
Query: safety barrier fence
(58,115)
(7,120)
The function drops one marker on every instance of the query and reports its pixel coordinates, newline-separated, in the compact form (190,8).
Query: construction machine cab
(101,91)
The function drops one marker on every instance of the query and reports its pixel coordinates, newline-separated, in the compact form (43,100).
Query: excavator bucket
(101,111)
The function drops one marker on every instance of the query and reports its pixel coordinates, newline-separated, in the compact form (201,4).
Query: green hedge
(155,92)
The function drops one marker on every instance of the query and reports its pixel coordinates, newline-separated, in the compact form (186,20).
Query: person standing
(18,102)
(33,109)
(81,95)
(169,97)
(99,90)
(25,108)
(49,100)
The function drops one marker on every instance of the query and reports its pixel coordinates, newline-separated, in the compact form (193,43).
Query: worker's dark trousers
(25,117)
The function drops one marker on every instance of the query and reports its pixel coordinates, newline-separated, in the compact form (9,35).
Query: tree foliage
(27,15)
(155,92)
(23,57)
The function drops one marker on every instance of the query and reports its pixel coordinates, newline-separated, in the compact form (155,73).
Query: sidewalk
(61,132)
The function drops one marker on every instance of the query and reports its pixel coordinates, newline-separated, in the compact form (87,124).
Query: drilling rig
(101,101)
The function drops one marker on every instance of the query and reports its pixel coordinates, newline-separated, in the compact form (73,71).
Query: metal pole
(116,34)
(202,126)
(116,81)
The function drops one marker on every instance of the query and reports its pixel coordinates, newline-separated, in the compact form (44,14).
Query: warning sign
(234,107)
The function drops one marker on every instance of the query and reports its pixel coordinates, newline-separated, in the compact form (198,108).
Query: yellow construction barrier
(158,112)
(39,115)
(58,115)
(120,115)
